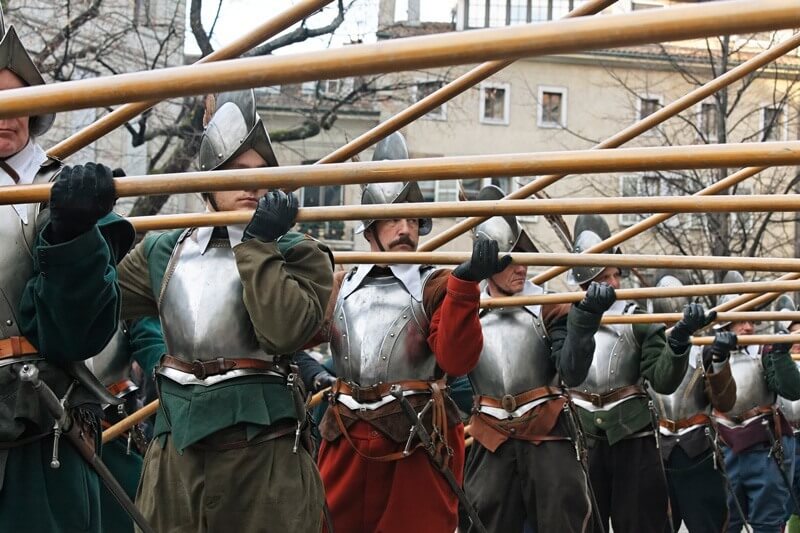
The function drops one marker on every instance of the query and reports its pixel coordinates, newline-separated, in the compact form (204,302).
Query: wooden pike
(681,104)
(446,93)
(116,118)
(648,292)
(564,36)
(446,168)
(150,409)
(744,316)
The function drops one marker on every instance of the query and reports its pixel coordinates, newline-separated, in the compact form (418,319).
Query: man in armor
(758,443)
(624,463)
(791,410)
(235,302)
(697,489)
(141,342)
(522,466)
(59,304)
(410,326)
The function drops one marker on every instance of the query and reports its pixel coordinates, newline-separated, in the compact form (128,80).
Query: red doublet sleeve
(455,333)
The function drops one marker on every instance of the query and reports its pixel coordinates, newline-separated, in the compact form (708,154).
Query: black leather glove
(724,342)
(783,348)
(484,262)
(599,297)
(694,318)
(274,216)
(80,196)
(323,380)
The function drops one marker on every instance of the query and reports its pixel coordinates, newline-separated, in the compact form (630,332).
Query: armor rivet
(9,322)
(598,421)
(345,358)
(219,155)
(391,334)
(384,358)
(341,317)
(344,335)
(612,371)
(405,316)
(677,440)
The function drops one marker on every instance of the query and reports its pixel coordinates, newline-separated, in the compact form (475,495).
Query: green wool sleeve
(782,374)
(572,344)
(141,272)
(286,290)
(146,342)
(663,368)
(70,307)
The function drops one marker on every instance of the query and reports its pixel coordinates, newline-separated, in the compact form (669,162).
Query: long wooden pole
(657,318)
(685,102)
(754,264)
(645,293)
(651,221)
(446,93)
(578,34)
(253,38)
(447,168)
(746,302)
(150,409)
(567,206)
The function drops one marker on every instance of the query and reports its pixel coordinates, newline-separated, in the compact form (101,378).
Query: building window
(471,187)
(494,103)
(709,120)
(494,13)
(552,107)
(648,105)
(638,186)
(425,88)
(141,13)
(323,196)
(308,88)
(773,127)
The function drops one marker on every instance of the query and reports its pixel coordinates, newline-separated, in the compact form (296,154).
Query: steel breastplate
(515,356)
(616,360)
(201,304)
(790,409)
(688,399)
(113,363)
(751,385)
(380,334)
(16,264)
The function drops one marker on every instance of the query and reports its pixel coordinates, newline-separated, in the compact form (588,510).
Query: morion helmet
(589,230)
(392,147)
(14,57)
(234,128)
(506,230)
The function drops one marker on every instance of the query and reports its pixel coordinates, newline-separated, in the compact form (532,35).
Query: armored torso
(616,358)
(379,332)
(751,385)
(112,366)
(201,304)
(690,396)
(515,356)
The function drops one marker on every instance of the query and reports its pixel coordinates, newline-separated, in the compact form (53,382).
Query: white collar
(409,276)
(529,289)
(26,163)
(618,308)
(235,235)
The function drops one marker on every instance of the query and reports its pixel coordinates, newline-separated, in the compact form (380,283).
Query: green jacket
(659,366)
(286,287)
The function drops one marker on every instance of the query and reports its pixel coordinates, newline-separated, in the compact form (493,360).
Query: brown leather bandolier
(601,400)
(220,365)
(511,403)
(755,411)
(437,390)
(676,425)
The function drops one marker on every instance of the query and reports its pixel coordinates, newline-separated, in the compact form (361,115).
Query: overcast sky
(240,16)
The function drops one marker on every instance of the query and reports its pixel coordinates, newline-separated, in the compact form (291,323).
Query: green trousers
(224,483)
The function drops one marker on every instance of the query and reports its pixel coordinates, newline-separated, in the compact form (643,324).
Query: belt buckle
(596,399)
(509,403)
(199,369)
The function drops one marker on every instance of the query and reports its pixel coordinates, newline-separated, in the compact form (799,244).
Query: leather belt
(511,402)
(599,400)
(376,393)
(204,369)
(123,386)
(676,425)
(747,415)
(15,347)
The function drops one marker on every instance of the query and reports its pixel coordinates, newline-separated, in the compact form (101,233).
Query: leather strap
(599,400)
(16,347)
(204,369)
(511,403)
(747,415)
(376,393)
(122,386)
(676,425)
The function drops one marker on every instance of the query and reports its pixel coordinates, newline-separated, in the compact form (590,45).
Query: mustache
(403,240)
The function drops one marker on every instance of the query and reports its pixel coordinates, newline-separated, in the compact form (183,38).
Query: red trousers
(403,496)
